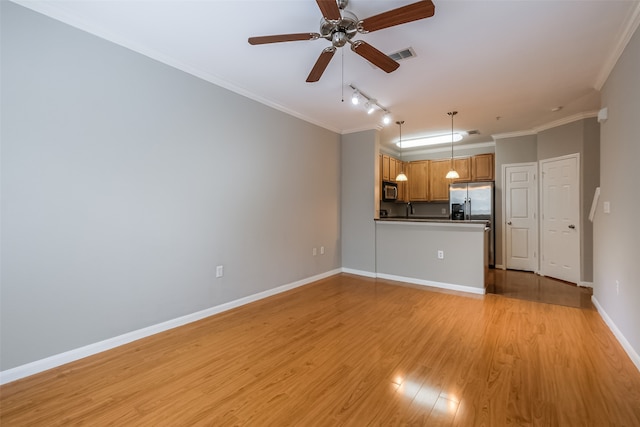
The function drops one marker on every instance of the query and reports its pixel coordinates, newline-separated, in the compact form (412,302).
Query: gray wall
(617,235)
(583,137)
(520,149)
(125,182)
(360,170)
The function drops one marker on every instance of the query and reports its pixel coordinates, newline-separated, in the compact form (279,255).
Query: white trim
(584,284)
(500,266)
(633,355)
(513,134)
(56,360)
(359,272)
(546,126)
(625,35)
(566,120)
(441,285)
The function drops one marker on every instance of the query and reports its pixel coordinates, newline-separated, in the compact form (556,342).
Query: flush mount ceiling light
(431,140)
(452,174)
(370,104)
(401,176)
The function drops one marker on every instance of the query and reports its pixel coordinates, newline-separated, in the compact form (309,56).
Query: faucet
(410,210)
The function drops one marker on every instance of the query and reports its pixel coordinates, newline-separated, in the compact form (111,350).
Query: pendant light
(401,176)
(452,174)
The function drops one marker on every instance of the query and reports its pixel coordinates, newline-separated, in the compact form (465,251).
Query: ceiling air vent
(473,132)
(403,54)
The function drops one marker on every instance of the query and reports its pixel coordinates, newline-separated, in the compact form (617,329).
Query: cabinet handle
(572,226)
(509,223)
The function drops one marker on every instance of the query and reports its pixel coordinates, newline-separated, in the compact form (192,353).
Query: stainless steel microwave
(389,191)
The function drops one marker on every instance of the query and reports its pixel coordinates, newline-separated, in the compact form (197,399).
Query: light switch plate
(607,207)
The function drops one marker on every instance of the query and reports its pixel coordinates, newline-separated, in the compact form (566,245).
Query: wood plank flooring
(532,287)
(353,351)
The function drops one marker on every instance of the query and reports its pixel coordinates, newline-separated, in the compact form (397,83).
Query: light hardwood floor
(354,351)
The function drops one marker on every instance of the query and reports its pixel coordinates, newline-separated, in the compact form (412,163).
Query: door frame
(578,221)
(536,166)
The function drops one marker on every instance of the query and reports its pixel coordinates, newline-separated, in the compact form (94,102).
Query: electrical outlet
(219,271)
(321,250)
(440,254)
(315,251)
(444,211)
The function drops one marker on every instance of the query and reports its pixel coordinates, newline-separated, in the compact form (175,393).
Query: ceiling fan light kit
(339,26)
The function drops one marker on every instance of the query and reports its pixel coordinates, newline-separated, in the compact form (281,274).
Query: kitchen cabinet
(482,167)
(419,181)
(463,167)
(386,163)
(438,183)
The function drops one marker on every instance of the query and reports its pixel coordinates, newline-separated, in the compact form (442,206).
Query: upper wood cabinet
(418,176)
(463,167)
(482,167)
(386,163)
(438,183)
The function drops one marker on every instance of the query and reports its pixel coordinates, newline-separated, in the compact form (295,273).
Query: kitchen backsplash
(419,209)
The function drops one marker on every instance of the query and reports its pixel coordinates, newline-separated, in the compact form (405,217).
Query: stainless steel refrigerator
(474,201)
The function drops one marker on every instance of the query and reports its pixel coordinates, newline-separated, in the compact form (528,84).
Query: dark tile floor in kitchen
(532,287)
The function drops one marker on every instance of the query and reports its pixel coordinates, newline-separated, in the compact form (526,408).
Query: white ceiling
(516,60)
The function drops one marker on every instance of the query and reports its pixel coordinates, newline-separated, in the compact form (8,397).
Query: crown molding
(566,120)
(628,29)
(541,128)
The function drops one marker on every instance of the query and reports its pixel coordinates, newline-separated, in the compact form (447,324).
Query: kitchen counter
(434,219)
(436,252)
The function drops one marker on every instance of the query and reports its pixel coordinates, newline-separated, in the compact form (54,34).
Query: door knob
(509,223)
(572,226)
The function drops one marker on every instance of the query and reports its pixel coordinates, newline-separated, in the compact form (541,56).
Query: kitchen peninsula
(433,252)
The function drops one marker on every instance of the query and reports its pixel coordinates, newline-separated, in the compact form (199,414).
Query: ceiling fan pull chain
(342,85)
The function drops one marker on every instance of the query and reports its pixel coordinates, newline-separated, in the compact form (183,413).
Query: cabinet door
(403,190)
(385,167)
(438,183)
(392,169)
(419,181)
(482,167)
(463,167)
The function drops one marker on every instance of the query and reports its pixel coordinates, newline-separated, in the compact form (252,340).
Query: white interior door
(521,219)
(561,218)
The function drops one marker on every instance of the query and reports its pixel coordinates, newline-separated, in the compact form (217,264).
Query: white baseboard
(635,358)
(499,267)
(449,286)
(54,361)
(585,284)
(359,272)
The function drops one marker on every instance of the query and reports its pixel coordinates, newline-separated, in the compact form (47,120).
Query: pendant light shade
(452,174)
(401,176)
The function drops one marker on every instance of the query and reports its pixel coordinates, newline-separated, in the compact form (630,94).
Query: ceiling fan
(339,26)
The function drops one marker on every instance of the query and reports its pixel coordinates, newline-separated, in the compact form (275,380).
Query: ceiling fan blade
(321,64)
(330,10)
(402,15)
(374,56)
(283,38)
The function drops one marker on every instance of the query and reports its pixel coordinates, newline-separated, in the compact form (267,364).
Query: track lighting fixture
(370,104)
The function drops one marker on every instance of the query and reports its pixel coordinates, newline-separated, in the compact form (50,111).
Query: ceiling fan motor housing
(341,32)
